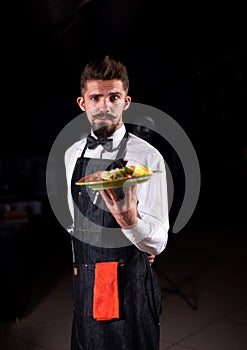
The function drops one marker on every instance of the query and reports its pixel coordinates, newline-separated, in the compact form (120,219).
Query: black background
(189,62)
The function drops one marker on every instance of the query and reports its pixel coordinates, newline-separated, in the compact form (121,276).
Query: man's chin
(104,130)
(103,123)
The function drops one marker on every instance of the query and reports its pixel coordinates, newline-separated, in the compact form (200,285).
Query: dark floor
(204,281)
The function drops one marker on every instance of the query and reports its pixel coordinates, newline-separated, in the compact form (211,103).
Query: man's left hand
(151,259)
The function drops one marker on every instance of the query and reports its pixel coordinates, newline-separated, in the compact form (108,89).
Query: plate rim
(133,179)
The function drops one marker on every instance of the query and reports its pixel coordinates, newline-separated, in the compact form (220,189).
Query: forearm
(149,237)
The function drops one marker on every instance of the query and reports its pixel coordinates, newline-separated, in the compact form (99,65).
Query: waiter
(117,294)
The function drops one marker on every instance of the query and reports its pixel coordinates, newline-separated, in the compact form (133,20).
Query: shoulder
(141,151)
(74,148)
(137,144)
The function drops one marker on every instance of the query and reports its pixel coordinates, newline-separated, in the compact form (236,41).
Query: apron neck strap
(122,146)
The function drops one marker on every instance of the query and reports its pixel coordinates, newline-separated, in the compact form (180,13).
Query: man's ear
(127,102)
(80,102)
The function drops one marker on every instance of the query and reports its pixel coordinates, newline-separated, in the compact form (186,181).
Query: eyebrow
(110,94)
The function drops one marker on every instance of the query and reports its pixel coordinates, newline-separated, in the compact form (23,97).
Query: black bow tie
(92,143)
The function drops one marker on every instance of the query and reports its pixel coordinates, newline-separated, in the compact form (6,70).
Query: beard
(103,130)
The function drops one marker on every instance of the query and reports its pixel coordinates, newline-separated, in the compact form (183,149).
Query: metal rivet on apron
(95,197)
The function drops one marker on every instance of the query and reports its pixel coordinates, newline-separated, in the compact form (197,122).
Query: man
(117,295)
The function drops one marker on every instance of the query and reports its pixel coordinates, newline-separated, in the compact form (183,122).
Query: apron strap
(122,146)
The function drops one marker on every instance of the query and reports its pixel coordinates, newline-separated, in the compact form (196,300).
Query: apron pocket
(106,299)
(83,285)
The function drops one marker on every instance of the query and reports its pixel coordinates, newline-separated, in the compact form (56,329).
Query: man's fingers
(109,194)
(117,205)
(151,259)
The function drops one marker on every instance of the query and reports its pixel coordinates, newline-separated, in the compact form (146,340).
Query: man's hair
(104,68)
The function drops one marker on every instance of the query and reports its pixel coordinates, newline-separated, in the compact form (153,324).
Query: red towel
(106,301)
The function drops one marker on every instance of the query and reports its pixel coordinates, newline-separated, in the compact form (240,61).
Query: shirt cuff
(137,232)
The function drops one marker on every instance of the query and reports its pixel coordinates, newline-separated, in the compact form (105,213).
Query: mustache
(104,115)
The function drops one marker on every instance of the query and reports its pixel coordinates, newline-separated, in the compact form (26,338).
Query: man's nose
(105,105)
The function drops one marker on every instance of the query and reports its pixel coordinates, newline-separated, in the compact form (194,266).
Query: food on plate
(125,173)
(140,170)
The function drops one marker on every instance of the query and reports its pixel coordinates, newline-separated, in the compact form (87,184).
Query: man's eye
(94,98)
(114,98)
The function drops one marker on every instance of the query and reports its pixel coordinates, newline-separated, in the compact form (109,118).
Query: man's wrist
(126,220)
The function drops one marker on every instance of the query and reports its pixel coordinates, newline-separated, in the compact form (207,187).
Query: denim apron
(139,288)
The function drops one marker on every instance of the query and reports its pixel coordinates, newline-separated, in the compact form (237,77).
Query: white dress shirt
(150,234)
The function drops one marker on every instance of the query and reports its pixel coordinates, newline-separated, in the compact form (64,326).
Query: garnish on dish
(125,173)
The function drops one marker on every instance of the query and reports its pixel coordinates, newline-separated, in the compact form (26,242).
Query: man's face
(104,102)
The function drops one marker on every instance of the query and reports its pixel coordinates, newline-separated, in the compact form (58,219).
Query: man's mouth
(104,117)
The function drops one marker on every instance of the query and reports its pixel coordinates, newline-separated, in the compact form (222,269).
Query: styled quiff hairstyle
(104,68)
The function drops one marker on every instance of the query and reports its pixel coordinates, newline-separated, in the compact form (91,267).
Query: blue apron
(139,287)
